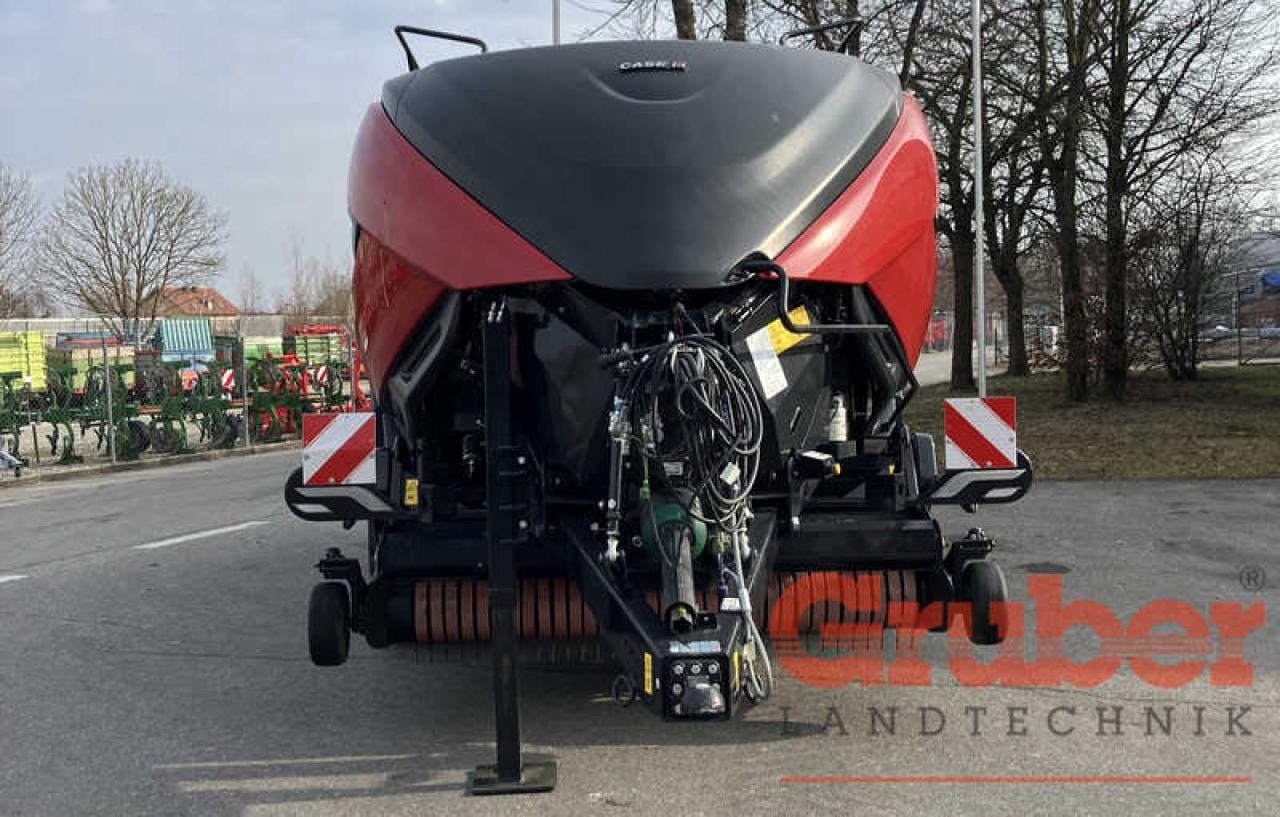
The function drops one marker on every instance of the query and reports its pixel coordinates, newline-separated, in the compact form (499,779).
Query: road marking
(284,761)
(265,785)
(204,534)
(11,578)
(1035,779)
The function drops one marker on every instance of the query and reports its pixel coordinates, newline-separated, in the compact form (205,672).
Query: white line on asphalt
(265,785)
(204,534)
(284,761)
(12,578)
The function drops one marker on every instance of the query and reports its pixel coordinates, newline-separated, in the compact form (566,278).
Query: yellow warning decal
(783,338)
(648,674)
(411,493)
(736,682)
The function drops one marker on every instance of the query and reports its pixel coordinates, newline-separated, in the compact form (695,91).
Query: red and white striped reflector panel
(322,375)
(981,432)
(338,449)
(228,380)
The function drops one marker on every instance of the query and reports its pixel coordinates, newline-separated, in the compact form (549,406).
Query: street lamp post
(979,278)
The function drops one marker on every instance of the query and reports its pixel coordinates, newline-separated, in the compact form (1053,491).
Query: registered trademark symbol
(1253,578)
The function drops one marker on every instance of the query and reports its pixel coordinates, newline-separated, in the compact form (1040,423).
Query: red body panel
(880,231)
(420,234)
(391,300)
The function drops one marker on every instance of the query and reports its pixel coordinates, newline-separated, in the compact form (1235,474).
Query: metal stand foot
(507,528)
(535,776)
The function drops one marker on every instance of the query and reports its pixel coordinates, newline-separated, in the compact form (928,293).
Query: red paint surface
(420,234)
(391,299)
(880,231)
(409,206)
(1006,408)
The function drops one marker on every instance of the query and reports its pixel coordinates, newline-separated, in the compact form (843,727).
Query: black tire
(982,585)
(375,530)
(141,434)
(165,440)
(329,624)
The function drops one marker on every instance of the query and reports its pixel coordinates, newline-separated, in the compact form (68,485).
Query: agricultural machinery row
(167,407)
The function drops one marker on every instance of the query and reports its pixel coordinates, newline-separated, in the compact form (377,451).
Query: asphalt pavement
(153,660)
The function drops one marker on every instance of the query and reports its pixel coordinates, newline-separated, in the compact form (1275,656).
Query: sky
(254,103)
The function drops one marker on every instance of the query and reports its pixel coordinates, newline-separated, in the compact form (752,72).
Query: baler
(639,320)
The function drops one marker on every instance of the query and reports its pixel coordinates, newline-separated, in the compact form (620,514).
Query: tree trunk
(1073,316)
(686,24)
(735,20)
(962,249)
(1115,342)
(1066,177)
(1014,330)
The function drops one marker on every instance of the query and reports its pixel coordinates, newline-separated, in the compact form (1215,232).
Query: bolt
(520,460)
(524,524)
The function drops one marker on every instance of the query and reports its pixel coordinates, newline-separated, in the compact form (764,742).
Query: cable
(714,423)
(744,600)
(719,418)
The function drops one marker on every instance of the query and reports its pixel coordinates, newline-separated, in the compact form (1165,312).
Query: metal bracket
(973,487)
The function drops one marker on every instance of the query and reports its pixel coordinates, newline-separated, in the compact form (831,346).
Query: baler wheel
(982,585)
(329,624)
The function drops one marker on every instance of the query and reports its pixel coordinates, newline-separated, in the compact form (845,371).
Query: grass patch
(1226,424)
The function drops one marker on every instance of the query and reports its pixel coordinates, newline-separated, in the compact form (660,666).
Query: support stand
(507,526)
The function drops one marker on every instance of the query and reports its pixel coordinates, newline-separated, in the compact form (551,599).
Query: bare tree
(1063,60)
(1181,76)
(1178,253)
(123,233)
(19,212)
(318,288)
(1013,170)
(943,82)
(253,295)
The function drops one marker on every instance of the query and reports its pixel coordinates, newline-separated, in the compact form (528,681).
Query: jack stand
(507,474)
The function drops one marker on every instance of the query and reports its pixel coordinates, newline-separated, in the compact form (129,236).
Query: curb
(35,478)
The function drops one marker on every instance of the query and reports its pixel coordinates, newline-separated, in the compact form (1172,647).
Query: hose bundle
(696,384)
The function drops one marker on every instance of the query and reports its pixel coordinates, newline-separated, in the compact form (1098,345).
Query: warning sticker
(648,673)
(765,360)
(783,338)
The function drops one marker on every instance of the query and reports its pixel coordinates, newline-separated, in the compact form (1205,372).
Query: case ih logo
(652,65)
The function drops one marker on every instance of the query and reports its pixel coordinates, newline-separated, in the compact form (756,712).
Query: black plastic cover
(650,179)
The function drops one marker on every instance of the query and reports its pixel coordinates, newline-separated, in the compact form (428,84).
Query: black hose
(720,418)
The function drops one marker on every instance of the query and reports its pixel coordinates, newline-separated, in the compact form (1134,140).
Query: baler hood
(661,175)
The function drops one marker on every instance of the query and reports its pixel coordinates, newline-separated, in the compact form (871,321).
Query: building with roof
(194,302)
